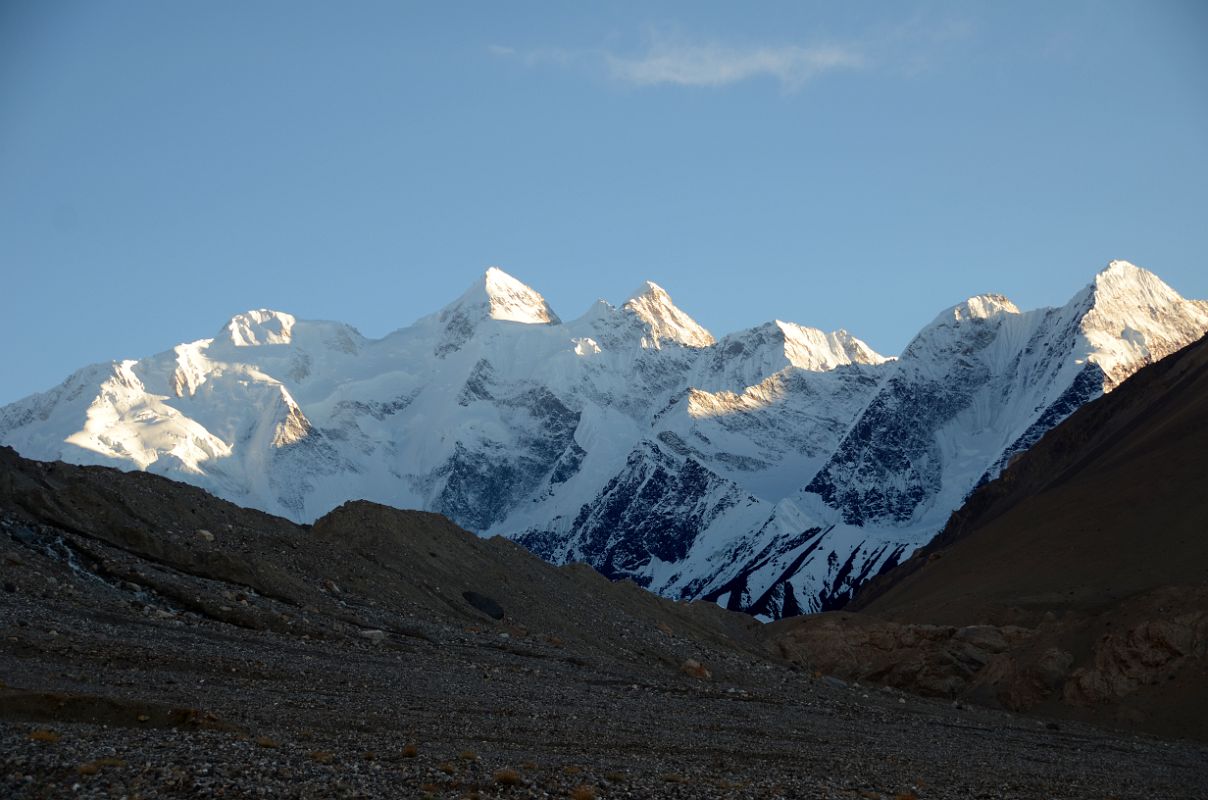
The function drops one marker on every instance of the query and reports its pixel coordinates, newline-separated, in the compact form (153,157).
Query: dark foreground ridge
(1075,585)
(158,642)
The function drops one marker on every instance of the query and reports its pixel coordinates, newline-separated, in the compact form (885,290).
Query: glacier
(772,470)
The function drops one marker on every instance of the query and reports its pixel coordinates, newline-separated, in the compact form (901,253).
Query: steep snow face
(812,349)
(746,358)
(495,296)
(258,327)
(664,322)
(509,299)
(1134,318)
(767,436)
(773,470)
(891,462)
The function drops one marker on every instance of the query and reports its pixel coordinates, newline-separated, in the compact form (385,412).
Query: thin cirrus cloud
(702,64)
(716,65)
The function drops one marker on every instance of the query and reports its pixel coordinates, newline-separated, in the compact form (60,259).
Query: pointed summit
(961,329)
(1121,279)
(648,288)
(981,306)
(496,295)
(652,305)
(1130,318)
(258,327)
(509,299)
(500,296)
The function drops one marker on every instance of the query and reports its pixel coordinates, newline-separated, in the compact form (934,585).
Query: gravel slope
(160,643)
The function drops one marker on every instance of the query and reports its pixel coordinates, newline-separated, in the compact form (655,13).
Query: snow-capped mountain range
(772,470)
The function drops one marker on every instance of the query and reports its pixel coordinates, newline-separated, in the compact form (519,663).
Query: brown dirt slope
(158,642)
(1112,502)
(345,571)
(1076,583)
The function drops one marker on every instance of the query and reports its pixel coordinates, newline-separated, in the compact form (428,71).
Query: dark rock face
(459,328)
(478,385)
(780,594)
(351,409)
(645,504)
(854,572)
(889,462)
(568,464)
(481,485)
(654,509)
(780,599)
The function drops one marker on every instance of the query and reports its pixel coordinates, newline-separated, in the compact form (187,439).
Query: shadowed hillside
(1084,568)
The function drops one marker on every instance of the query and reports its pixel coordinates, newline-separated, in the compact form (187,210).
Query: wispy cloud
(909,47)
(710,64)
(687,64)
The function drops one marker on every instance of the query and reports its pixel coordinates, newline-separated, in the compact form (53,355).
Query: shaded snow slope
(772,470)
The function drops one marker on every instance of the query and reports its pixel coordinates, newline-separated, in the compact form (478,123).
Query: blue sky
(857,165)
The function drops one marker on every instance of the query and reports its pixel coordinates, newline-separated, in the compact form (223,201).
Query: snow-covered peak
(813,349)
(1120,280)
(601,310)
(509,299)
(960,330)
(652,305)
(500,296)
(982,306)
(1132,318)
(496,295)
(745,358)
(649,288)
(258,327)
